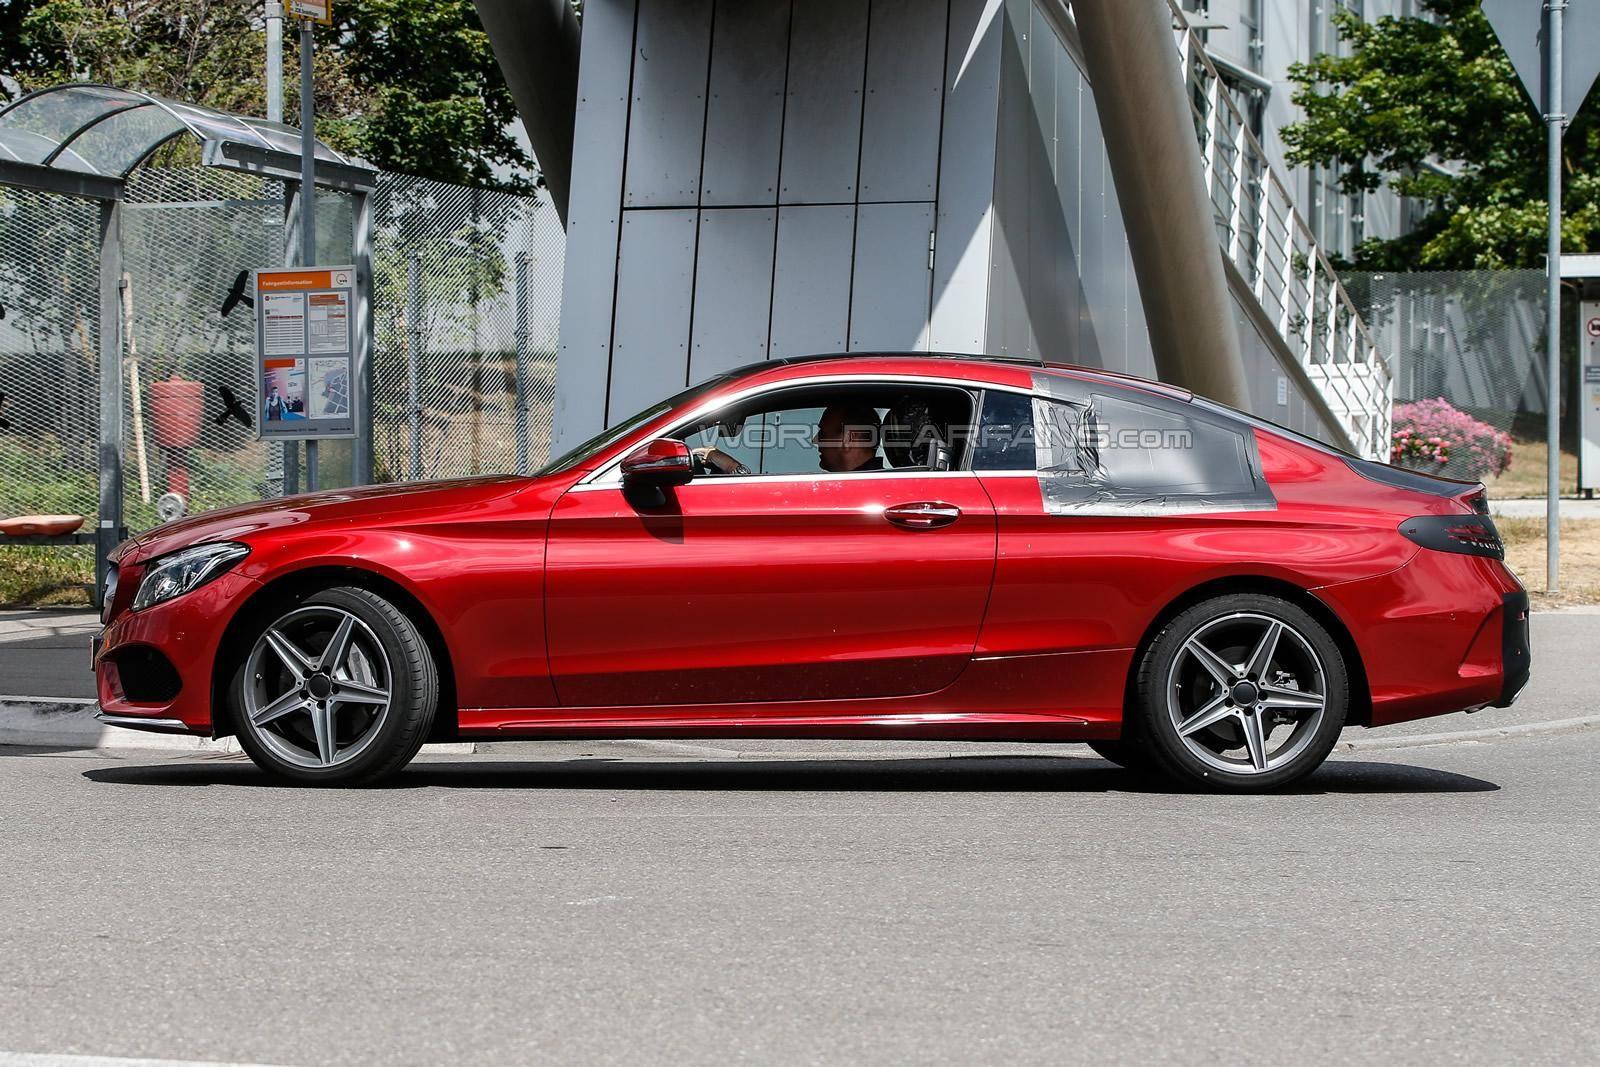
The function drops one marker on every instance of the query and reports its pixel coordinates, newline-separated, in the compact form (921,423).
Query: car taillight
(1472,535)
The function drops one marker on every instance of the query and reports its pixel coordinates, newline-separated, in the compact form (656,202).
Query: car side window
(836,427)
(781,440)
(1005,438)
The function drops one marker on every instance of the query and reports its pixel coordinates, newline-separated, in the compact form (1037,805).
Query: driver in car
(847,441)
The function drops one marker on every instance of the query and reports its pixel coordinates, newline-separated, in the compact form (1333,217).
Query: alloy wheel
(1246,693)
(317,687)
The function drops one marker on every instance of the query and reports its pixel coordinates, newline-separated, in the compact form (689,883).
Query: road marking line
(51,1059)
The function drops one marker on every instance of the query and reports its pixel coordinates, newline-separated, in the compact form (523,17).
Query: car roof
(995,369)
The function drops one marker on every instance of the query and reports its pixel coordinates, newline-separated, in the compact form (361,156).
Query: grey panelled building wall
(763,178)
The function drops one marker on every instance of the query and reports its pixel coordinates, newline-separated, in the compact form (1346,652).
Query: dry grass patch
(1580,558)
(1526,475)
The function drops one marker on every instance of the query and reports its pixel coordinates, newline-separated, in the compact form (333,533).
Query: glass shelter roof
(104,131)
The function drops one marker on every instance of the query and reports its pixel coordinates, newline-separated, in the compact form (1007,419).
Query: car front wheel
(337,689)
(1242,693)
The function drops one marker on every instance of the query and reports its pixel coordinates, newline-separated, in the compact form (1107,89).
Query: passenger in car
(847,439)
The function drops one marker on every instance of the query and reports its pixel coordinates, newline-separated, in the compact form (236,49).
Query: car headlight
(176,574)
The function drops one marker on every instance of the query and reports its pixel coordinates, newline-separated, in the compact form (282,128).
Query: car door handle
(922,515)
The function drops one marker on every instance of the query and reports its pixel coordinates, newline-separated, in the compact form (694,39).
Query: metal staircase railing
(1270,246)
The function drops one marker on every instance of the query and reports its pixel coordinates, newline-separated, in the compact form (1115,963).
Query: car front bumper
(186,634)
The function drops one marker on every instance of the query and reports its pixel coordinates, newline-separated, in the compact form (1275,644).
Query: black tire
(398,732)
(1127,753)
(1314,660)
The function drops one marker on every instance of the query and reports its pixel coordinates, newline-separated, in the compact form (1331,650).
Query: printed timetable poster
(305,352)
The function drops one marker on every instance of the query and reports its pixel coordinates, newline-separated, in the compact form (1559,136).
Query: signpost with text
(306,386)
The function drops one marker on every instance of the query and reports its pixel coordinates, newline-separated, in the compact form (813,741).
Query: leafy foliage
(410,85)
(1431,108)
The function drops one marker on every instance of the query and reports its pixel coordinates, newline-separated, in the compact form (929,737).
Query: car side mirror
(660,464)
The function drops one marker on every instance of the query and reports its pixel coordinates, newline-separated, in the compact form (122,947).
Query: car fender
(481,588)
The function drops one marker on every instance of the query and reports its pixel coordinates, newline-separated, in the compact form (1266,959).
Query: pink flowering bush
(1432,435)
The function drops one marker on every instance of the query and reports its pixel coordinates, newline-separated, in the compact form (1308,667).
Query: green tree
(1431,108)
(410,85)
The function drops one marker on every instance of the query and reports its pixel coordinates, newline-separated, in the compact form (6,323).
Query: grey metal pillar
(361,460)
(1139,93)
(536,45)
(109,531)
(523,358)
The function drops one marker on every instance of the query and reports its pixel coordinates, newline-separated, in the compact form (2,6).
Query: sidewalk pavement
(47,700)
(1533,508)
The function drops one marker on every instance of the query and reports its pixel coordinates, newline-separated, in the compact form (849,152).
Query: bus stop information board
(305,372)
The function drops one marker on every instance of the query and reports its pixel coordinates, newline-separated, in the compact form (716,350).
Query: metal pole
(1554,121)
(290,450)
(522,362)
(110,530)
(362,459)
(308,190)
(274,61)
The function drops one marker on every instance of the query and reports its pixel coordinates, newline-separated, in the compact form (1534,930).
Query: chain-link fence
(49,365)
(1471,339)
(187,232)
(467,305)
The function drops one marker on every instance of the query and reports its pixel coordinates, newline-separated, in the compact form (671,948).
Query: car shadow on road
(961,774)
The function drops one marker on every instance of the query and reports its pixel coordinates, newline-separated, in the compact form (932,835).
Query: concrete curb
(1527,729)
(69,723)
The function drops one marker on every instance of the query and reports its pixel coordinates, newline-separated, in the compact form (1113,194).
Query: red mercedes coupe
(954,548)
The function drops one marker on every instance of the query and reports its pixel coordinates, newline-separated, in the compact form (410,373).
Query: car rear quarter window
(1114,451)
(1144,449)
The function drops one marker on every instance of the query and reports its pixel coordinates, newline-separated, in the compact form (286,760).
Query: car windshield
(607,437)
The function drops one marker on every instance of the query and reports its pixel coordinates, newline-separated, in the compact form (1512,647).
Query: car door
(767,587)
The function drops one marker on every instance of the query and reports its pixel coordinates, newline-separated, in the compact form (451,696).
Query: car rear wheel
(1242,693)
(337,689)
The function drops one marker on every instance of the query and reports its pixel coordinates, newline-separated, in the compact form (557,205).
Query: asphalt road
(1422,905)
(46,653)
